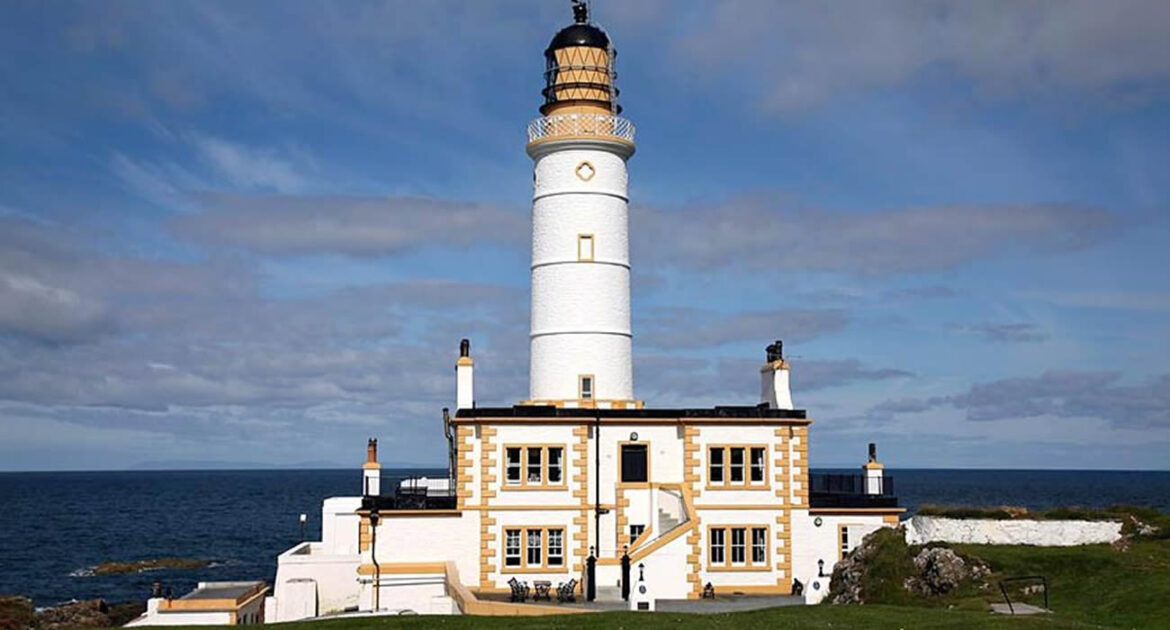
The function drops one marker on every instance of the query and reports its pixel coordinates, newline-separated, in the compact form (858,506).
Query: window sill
(561,569)
(532,487)
(757,487)
(752,568)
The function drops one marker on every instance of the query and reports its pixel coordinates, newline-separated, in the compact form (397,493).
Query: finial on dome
(581,11)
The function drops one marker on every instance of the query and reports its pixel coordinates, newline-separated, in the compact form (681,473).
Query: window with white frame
(512,548)
(534,466)
(736,469)
(759,545)
(555,466)
(737,547)
(512,456)
(737,466)
(717,543)
(556,547)
(636,530)
(534,548)
(715,465)
(758,464)
(843,534)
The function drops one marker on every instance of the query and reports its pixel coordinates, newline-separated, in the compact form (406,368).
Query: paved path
(1020,609)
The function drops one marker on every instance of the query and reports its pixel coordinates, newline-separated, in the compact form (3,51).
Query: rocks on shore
(152,564)
(17,613)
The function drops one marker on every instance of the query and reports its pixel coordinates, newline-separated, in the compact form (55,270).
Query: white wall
(401,592)
(580,310)
(339,525)
(811,543)
(183,619)
(403,539)
(923,529)
(333,578)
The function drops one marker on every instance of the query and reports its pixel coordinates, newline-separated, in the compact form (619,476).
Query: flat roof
(223,590)
(747,412)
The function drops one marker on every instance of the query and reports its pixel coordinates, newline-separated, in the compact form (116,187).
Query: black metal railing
(838,483)
(851,490)
(412,494)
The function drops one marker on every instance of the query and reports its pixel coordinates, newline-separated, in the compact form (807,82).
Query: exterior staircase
(666,522)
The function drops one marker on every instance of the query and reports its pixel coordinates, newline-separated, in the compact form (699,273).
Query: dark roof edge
(549,411)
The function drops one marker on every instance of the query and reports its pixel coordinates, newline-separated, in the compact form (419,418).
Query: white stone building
(210,604)
(582,472)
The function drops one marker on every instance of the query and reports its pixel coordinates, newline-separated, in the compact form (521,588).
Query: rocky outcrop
(153,564)
(88,614)
(921,530)
(940,571)
(883,562)
(16,612)
(845,587)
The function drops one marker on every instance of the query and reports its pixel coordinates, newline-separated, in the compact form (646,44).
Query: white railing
(581,125)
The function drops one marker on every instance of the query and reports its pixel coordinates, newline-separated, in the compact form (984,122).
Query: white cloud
(359,226)
(799,54)
(761,233)
(251,168)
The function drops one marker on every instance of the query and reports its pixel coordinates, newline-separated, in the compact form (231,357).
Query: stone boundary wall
(925,529)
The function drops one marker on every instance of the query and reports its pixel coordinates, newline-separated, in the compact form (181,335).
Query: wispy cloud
(1019,332)
(806,52)
(358,226)
(1053,394)
(699,328)
(761,233)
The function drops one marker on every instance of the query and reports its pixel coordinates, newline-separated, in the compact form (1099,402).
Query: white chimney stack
(371,470)
(774,390)
(873,472)
(464,378)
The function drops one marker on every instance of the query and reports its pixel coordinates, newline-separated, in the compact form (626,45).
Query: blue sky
(253,233)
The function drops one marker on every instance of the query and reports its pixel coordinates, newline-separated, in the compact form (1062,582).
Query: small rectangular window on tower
(586,386)
(585,247)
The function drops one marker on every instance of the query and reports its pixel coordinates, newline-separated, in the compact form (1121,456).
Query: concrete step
(609,594)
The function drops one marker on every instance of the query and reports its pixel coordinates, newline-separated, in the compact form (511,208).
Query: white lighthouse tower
(580,335)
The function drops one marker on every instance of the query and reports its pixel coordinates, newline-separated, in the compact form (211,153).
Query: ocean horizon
(57,525)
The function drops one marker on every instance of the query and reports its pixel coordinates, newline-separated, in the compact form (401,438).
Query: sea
(56,526)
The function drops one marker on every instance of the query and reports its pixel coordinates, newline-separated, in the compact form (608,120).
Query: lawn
(794,617)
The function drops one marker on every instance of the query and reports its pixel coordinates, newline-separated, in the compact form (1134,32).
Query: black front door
(635,463)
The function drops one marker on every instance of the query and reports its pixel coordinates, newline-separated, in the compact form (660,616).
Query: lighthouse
(581,485)
(580,329)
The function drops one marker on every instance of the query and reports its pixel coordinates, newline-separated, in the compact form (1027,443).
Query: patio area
(719,604)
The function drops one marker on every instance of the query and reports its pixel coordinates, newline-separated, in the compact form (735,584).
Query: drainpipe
(596,496)
(374,518)
(597,480)
(449,433)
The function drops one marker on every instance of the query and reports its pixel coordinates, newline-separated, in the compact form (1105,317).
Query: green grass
(1094,584)
(793,617)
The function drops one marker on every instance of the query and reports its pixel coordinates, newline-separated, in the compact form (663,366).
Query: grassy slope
(1092,584)
(1095,583)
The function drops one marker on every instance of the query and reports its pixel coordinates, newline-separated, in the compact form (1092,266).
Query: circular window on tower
(585,171)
